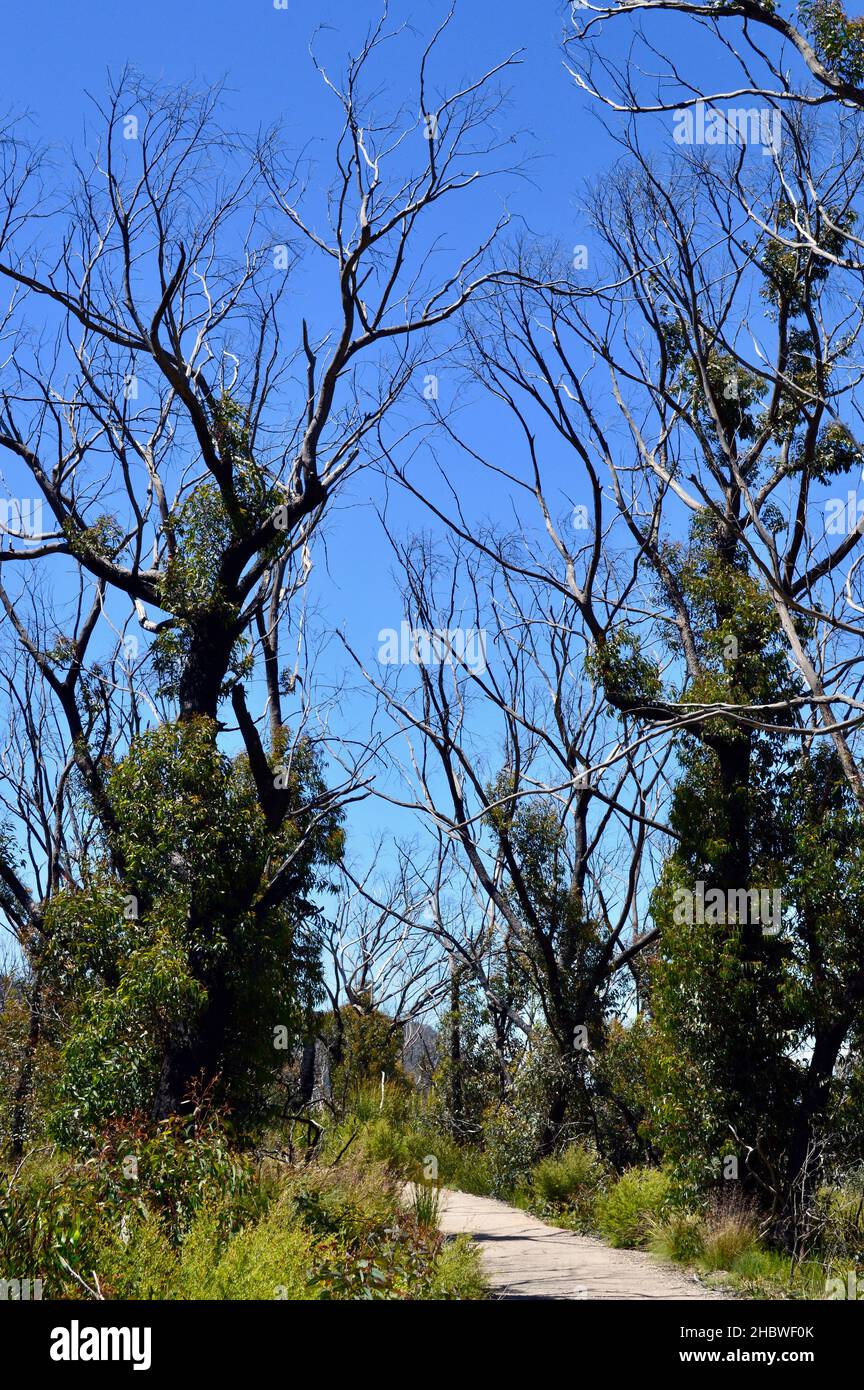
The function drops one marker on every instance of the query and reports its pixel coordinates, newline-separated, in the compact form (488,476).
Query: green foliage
(734,393)
(372,1248)
(629,678)
(188,815)
(836,453)
(363,1044)
(213,517)
(626,1211)
(723,1242)
(426,1206)
(403,1136)
(739,643)
(621,1076)
(678,1236)
(570,1181)
(178,1164)
(102,540)
(457,1273)
(141,1264)
(841,1216)
(723,397)
(730,1012)
(49,1214)
(130,1204)
(824,837)
(270,1259)
(719,1062)
(196,585)
(463,1091)
(111,1060)
(15,993)
(758,1272)
(510,1140)
(180,946)
(351,1200)
(552,950)
(469,1170)
(837,36)
(197,1222)
(387,1142)
(719,988)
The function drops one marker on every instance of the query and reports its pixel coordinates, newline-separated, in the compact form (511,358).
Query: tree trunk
(814,1099)
(205,666)
(556,1113)
(193,1060)
(307,1071)
(457,1095)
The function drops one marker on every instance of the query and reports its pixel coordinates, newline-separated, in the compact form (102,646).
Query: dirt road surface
(525,1258)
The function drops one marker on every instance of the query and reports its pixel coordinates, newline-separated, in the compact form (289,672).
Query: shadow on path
(525,1259)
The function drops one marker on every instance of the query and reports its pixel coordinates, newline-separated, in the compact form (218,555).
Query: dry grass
(730,1230)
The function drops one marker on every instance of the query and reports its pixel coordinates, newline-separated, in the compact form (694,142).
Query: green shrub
(404,1139)
(384,1141)
(271,1259)
(458,1273)
(570,1180)
(363,1045)
(625,1212)
(178,1165)
(140,1262)
(116,1220)
(769,1274)
(52,1223)
(471,1171)
(677,1235)
(349,1202)
(370,1246)
(509,1139)
(58,1221)
(138,971)
(197,1221)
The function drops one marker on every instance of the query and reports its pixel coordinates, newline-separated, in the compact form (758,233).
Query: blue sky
(62,51)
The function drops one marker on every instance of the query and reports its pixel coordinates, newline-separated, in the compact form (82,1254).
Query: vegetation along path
(525,1258)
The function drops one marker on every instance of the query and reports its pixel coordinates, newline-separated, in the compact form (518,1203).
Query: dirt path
(524,1258)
